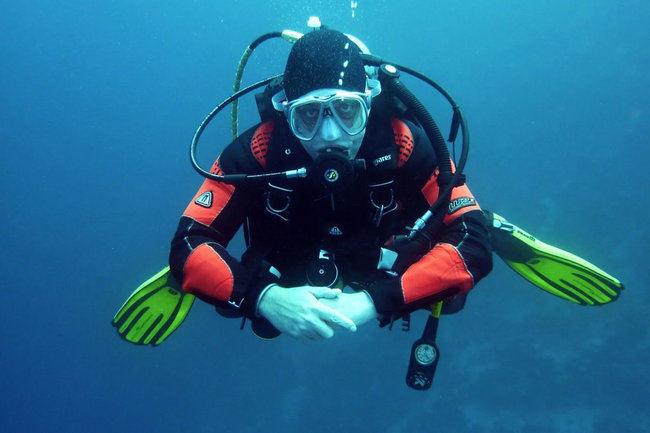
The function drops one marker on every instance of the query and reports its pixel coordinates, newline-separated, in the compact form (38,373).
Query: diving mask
(306,114)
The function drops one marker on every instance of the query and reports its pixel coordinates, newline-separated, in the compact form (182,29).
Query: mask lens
(351,114)
(305,116)
(305,119)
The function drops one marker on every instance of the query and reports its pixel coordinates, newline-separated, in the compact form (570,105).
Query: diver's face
(331,138)
(329,120)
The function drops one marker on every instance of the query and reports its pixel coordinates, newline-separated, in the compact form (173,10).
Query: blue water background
(99,104)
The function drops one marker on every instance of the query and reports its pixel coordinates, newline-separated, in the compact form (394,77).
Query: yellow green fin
(554,270)
(154,310)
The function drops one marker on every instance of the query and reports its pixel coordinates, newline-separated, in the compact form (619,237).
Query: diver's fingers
(324,292)
(323,331)
(339,319)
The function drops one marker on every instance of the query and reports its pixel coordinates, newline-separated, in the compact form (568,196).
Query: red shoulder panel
(403,140)
(260,141)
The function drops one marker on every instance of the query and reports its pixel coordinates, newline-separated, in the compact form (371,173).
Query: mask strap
(278,100)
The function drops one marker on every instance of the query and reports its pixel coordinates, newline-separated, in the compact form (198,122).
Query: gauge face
(425,354)
(322,272)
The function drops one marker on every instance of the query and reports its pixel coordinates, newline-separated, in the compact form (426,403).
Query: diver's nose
(329,129)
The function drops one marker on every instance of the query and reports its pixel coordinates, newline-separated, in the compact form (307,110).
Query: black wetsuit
(288,223)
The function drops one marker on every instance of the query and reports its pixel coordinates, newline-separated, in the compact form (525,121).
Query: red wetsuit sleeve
(457,258)
(460,202)
(206,270)
(444,266)
(441,268)
(198,256)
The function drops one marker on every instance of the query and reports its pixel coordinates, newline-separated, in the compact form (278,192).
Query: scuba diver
(307,239)
(352,210)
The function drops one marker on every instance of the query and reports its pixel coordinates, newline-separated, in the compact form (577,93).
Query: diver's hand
(299,312)
(358,306)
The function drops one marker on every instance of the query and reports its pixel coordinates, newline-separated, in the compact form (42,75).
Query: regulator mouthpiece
(334,171)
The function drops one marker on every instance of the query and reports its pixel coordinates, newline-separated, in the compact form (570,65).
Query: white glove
(298,311)
(358,306)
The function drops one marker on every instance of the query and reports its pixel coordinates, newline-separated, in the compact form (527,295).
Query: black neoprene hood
(323,59)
